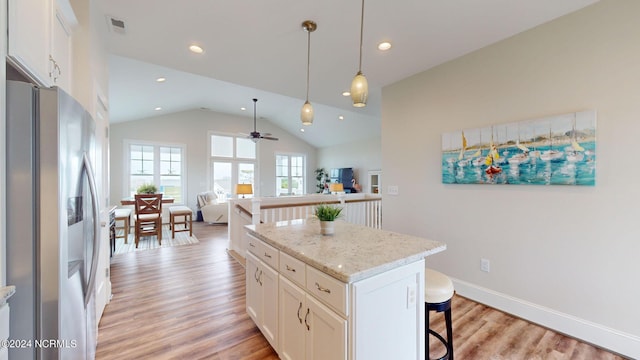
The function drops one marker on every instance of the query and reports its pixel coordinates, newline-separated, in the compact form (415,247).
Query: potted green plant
(322,179)
(327,214)
(147,189)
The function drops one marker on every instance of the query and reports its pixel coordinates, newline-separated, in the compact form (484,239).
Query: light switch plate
(392,190)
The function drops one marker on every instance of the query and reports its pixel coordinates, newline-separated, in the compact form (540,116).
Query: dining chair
(148,209)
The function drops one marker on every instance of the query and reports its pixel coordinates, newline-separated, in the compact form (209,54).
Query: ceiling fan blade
(269,138)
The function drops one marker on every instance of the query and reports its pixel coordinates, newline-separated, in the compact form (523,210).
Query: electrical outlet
(484,265)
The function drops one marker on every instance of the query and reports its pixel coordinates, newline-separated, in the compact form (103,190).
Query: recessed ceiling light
(346,93)
(161,79)
(301,130)
(384,46)
(243,108)
(196,49)
(158,108)
(340,117)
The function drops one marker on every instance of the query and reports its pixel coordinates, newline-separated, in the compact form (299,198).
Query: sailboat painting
(555,150)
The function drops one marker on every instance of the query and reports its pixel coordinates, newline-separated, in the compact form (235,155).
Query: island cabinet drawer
(293,269)
(263,251)
(327,289)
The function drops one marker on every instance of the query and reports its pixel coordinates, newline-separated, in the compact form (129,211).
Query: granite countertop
(353,253)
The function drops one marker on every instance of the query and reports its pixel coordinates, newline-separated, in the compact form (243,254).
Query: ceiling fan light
(359,90)
(306,114)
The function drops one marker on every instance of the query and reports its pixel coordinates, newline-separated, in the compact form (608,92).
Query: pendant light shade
(306,114)
(359,85)
(359,90)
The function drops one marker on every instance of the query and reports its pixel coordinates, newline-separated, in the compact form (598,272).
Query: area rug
(151,242)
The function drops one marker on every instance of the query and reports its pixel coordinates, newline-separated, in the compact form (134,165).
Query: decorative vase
(327,227)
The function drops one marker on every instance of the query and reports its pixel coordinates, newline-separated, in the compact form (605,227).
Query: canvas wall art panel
(555,150)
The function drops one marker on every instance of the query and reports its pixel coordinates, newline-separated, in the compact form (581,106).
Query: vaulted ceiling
(258,49)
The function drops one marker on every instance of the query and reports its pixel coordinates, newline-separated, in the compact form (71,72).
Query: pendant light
(306,114)
(359,85)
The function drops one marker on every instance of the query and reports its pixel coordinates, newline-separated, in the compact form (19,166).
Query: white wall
(362,156)
(3,173)
(564,256)
(191,128)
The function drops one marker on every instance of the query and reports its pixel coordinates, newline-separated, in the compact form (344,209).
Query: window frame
(290,178)
(234,160)
(127,143)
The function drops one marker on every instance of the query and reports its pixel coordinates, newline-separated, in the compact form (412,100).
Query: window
(233,161)
(290,179)
(161,165)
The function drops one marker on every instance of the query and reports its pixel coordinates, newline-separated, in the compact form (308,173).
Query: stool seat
(438,292)
(123,215)
(180,210)
(438,287)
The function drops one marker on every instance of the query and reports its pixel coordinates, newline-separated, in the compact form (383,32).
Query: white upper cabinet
(61,59)
(29,24)
(39,40)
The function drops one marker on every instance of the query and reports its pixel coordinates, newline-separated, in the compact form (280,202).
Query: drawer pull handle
(251,244)
(305,320)
(291,269)
(328,291)
(267,255)
(299,307)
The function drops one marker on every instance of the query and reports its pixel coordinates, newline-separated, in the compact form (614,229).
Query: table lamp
(244,189)
(336,188)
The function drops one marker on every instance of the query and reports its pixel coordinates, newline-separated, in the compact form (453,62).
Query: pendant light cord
(308,60)
(361,31)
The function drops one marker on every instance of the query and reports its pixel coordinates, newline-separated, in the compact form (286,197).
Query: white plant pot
(327,227)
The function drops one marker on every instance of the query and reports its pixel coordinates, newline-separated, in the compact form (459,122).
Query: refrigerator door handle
(96,228)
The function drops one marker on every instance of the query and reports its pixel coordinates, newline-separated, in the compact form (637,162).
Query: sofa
(212,210)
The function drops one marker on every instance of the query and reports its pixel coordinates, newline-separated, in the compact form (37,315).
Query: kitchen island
(358,294)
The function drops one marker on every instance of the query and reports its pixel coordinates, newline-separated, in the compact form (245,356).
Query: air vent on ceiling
(116,25)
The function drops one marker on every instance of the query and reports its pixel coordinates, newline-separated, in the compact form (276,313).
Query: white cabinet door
(293,307)
(103,282)
(327,334)
(262,297)
(29,23)
(253,301)
(269,286)
(61,63)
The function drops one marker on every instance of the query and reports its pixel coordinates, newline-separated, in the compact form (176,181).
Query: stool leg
(426,332)
(190,225)
(447,317)
(126,230)
(172,223)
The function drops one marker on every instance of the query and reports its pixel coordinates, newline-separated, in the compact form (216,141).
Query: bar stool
(123,215)
(187,220)
(438,291)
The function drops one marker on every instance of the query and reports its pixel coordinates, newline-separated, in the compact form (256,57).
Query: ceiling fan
(255,135)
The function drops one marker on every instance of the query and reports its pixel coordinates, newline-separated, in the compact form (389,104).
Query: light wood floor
(188,302)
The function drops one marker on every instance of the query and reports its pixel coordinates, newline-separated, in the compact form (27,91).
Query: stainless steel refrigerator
(53,228)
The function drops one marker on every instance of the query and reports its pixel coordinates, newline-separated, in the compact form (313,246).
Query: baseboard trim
(611,339)
(234,254)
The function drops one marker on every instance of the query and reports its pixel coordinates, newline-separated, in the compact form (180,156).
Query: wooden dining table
(132,201)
